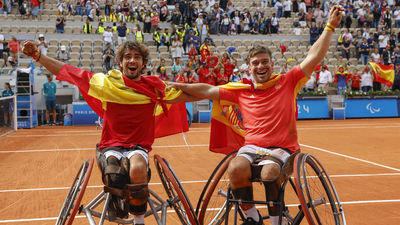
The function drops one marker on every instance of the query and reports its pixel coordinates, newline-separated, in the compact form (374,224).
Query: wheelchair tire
(73,200)
(317,194)
(211,196)
(176,194)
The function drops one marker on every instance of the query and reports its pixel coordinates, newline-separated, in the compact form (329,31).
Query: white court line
(351,157)
(190,182)
(92,149)
(211,209)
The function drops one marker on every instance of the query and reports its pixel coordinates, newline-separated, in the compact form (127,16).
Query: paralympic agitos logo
(372,109)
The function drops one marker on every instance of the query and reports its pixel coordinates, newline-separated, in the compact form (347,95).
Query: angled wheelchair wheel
(176,194)
(73,200)
(211,205)
(317,194)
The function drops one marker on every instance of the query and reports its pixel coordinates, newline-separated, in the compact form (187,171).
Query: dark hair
(257,50)
(133,45)
(8,85)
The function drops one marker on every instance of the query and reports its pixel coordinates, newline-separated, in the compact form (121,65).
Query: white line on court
(351,157)
(190,182)
(211,209)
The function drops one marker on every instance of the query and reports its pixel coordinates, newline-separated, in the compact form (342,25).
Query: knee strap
(116,172)
(137,191)
(244,193)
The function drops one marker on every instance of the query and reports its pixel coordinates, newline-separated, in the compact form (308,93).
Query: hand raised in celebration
(30,48)
(335,15)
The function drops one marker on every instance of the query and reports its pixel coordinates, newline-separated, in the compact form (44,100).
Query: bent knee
(239,170)
(270,172)
(138,171)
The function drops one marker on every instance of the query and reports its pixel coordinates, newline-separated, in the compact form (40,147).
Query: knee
(239,170)
(138,171)
(270,172)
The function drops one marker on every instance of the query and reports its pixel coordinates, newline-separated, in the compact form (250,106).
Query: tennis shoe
(251,221)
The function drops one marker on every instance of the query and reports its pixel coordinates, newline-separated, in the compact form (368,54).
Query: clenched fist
(30,49)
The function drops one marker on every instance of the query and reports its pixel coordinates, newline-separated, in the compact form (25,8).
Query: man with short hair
(268,108)
(126,101)
(49,91)
(122,31)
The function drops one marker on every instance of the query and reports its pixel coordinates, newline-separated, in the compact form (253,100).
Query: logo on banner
(372,109)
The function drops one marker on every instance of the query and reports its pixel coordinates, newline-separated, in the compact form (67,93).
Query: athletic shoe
(251,221)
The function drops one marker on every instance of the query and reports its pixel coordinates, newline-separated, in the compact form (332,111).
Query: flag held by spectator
(383,73)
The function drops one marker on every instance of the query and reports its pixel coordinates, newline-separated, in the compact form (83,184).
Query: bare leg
(54,116)
(239,172)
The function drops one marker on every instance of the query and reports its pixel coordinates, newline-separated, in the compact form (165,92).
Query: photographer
(60,23)
(108,57)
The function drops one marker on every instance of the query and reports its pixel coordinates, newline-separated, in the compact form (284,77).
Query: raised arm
(321,46)
(52,65)
(199,91)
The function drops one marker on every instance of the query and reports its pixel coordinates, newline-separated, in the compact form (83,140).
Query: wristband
(330,25)
(36,55)
(329,28)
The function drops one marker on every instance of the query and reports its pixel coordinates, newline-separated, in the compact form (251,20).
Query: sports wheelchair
(311,188)
(176,199)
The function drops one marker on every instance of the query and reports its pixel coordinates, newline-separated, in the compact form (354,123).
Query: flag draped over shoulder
(227,130)
(114,87)
(383,73)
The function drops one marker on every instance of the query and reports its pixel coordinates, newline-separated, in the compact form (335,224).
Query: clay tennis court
(362,157)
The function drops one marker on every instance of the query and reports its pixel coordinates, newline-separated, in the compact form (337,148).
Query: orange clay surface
(362,157)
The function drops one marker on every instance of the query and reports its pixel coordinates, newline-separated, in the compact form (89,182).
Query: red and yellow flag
(383,73)
(173,123)
(227,130)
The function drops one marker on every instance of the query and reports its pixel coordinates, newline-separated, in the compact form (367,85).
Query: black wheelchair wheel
(75,194)
(176,194)
(211,205)
(317,194)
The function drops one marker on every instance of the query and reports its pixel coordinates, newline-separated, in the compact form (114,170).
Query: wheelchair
(317,199)
(157,206)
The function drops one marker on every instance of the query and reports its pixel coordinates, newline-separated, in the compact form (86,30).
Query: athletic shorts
(252,152)
(120,152)
(50,104)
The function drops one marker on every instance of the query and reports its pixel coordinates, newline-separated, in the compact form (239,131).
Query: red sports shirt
(124,125)
(269,115)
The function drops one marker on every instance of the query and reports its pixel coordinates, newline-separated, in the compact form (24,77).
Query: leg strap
(272,193)
(244,193)
(138,209)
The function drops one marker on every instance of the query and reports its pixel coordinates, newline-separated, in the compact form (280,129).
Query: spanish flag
(383,73)
(113,87)
(227,130)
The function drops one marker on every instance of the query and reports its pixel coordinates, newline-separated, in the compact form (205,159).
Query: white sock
(253,213)
(139,219)
(274,220)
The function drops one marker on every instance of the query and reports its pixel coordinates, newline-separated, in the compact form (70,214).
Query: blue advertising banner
(82,114)
(361,108)
(313,108)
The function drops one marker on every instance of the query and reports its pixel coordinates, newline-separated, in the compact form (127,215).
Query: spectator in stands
(100,29)
(61,8)
(49,91)
(157,37)
(386,55)
(139,36)
(62,54)
(318,16)
(235,77)
(274,24)
(366,79)
(147,22)
(314,33)
(396,82)
(309,17)
(279,8)
(34,9)
(177,49)
(60,23)
(325,78)
(375,56)
(346,48)
(162,74)
(355,80)
(166,38)
(14,46)
(87,27)
(383,41)
(79,9)
(13,61)
(396,55)
(310,85)
(155,20)
(42,45)
(122,31)
(108,57)
(108,37)
(364,51)
(176,67)
(5,106)
(341,78)
(164,12)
